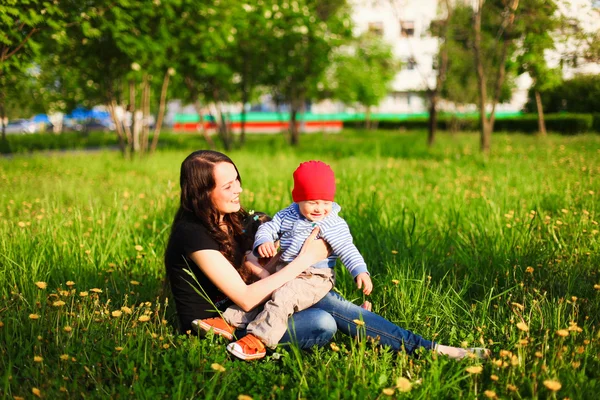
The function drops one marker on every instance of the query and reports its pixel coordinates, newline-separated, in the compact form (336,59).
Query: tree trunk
(203,130)
(486,135)
(540,111)
(367,118)
(243,116)
(161,112)
(130,125)
(3,113)
(485,138)
(433,117)
(112,105)
(145,103)
(294,135)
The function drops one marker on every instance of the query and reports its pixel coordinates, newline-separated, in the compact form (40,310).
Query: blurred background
(226,68)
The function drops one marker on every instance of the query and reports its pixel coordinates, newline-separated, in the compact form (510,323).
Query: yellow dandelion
(539,354)
(576,364)
(523,342)
(552,385)
(41,285)
(519,306)
(34,316)
(395,281)
(144,318)
(562,332)
(116,313)
(36,392)
(358,322)
(165,346)
(118,348)
(394,251)
(490,394)
(58,303)
(67,329)
(403,384)
(244,397)
(21,224)
(529,270)
(511,388)
(64,357)
(217,367)
(64,293)
(83,294)
(96,290)
(475,369)
(523,326)
(494,377)
(126,310)
(334,346)
(1,324)
(18,398)
(388,391)
(138,247)
(38,359)
(597,286)
(70,283)
(63,389)
(134,283)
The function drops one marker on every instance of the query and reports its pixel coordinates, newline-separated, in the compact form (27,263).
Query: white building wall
(422,48)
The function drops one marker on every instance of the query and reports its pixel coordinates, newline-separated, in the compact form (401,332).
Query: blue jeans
(376,327)
(306,328)
(316,326)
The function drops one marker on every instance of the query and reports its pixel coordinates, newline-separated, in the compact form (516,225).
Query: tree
(361,73)
(538,25)
(500,19)
(20,24)
(304,34)
(441,29)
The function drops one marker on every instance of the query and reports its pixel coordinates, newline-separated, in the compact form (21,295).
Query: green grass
(461,247)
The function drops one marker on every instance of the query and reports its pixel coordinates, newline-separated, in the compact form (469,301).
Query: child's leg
(239,318)
(299,294)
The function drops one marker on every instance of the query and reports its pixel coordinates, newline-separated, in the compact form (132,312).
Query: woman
(206,238)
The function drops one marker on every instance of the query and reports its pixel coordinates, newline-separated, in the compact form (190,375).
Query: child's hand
(267,249)
(363,281)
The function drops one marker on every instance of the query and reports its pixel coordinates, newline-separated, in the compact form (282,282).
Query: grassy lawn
(502,251)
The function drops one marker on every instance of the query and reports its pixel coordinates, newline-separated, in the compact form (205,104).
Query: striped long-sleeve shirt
(292,229)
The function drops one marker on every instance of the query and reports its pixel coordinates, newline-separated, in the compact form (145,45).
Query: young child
(313,195)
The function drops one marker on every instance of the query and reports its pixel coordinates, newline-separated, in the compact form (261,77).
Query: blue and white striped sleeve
(269,231)
(340,239)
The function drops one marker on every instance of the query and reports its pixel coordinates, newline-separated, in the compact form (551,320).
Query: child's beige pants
(271,323)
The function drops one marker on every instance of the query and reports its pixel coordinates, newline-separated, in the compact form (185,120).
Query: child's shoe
(247,348)
(218,326)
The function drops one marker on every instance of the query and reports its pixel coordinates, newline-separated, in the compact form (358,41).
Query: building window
(376,28)
(411,63)
(407,29)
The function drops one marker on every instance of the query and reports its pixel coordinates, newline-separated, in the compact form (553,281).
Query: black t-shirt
(188,236)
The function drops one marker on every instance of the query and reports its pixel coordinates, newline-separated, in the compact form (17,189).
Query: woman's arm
(218,269)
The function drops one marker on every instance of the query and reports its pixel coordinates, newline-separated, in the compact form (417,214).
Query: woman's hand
(317,248)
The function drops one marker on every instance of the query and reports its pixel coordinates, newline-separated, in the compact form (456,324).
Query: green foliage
(461,248)
(580,94)
(460,85)
(361,72)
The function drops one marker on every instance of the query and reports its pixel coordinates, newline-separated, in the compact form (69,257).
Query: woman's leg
(307,328)
(389,334)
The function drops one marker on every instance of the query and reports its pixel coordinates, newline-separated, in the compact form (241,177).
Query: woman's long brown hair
(197,181)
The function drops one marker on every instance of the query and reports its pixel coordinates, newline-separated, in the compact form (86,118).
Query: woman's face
(226,194)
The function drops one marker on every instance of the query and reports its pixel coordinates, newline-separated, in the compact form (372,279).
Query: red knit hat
(313,180)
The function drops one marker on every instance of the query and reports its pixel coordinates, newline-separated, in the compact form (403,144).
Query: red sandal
(247,348)
(218,326)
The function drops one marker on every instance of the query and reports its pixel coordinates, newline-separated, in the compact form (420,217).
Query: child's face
(315,210)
